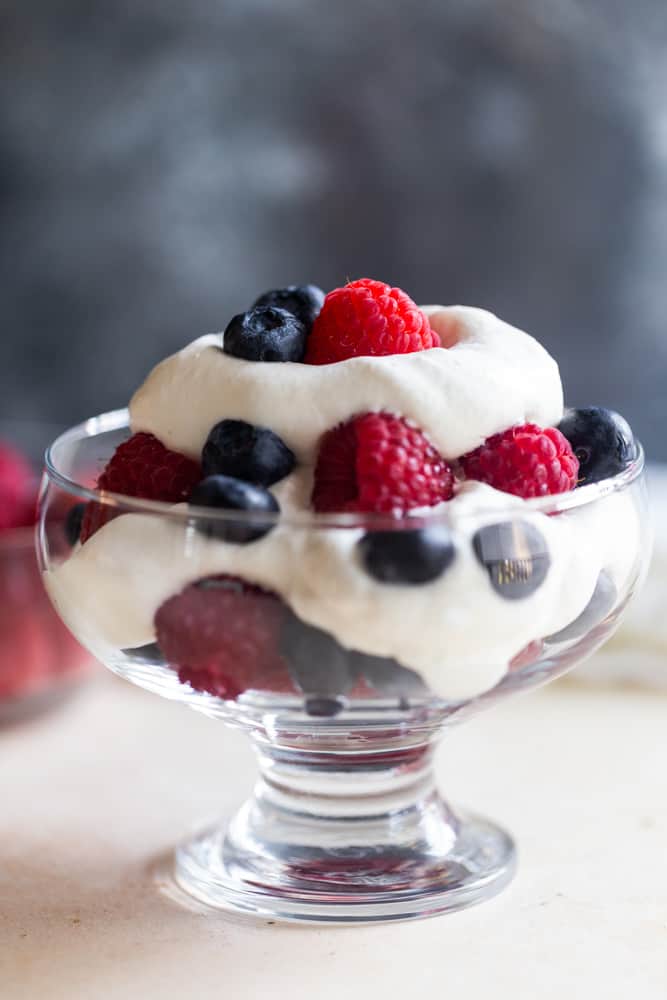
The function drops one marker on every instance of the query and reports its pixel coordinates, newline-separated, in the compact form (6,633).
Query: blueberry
(148,654)
(318,663)
(324,707)
(603,600)
(515,555)
(73,523)
(601,440)
(387,676)
(303,301)
(407,556)
(265,333)
(254,454)
(225,493)
(229,584)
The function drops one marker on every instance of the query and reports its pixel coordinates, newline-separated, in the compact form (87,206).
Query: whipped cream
(493,376)
(111,587)
(457,631)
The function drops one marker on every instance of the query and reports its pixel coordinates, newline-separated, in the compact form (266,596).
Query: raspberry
(368,317)
(17,490)
(142,467)
(526,461)
(378,462)
(222,635)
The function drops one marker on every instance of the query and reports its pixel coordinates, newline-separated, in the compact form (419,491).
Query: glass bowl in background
(41,663)
(345,823)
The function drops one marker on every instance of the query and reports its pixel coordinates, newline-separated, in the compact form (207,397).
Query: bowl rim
(115,420)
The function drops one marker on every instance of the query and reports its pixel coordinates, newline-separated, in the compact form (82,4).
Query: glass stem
(336,816)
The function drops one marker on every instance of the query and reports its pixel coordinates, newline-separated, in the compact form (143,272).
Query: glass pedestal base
(481,862)
(386,847)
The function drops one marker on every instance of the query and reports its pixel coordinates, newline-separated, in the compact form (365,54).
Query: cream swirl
(491,377)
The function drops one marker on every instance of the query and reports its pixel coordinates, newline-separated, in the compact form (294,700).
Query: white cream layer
(494,376)
(457,631)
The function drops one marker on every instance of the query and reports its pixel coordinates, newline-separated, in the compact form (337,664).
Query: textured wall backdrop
(162,162)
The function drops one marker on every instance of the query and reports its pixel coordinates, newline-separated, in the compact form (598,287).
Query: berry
(319,665)
(515,556)
(367,317)
(379,463)
(142,467)
(601,603)
(526,461)
(221,635)
(225,493)
(407,556)
(303,301)
(601,440)
(388,677)
(254,454)
(265,333)
(74,523)
(17,490)
(323,708)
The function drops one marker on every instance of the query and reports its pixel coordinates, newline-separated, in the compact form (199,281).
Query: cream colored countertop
(93,797)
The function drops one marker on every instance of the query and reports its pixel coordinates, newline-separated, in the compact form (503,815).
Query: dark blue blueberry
(303,301)
(265,333)
(325,671)
(515,555)
(602,441)
(407,556)
(73,523)
(318,663)
(229,584)
(324,707)
(225,493)
(601,603)
(149,654)
(253,454)
(387,676)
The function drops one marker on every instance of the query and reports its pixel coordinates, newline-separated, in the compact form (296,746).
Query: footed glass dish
(345,823)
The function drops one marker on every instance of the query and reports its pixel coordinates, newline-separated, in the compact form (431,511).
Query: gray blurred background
(164,162)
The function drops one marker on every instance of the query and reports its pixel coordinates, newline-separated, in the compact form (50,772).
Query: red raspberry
(142,467)
(527,461)
(379,463)
(17,490)
(221,635)
(368,317)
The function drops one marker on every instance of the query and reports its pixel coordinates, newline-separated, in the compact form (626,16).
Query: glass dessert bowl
(486,596)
